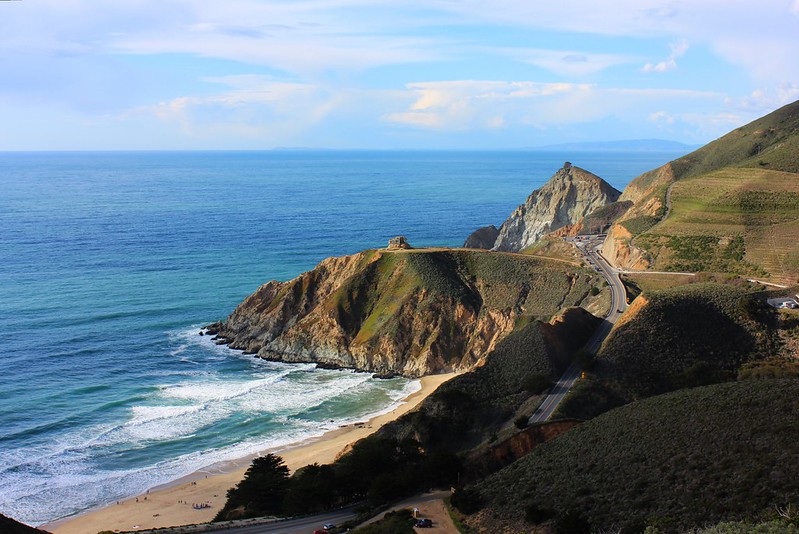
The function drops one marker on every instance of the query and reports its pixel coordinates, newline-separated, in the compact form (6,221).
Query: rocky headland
(411,312)
(564,200)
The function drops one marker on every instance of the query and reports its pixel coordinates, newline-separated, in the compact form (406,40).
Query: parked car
(424,523)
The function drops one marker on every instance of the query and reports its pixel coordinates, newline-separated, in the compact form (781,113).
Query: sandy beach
(172,505)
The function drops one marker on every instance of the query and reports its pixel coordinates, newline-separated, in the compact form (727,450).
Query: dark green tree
(311,489)
(260,493)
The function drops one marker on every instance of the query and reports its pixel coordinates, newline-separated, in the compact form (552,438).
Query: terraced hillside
(731,206)
(731,220)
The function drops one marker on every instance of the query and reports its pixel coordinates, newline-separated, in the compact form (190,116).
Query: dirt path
(430,506)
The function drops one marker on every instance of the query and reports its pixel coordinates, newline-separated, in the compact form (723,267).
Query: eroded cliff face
(620,252)
(406,312)
(648,193)
(570,195)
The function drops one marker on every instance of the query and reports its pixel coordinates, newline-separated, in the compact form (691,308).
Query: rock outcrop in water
(569,196)
(483,238)
(411,312)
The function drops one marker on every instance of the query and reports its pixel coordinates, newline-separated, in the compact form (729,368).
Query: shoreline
(171,504)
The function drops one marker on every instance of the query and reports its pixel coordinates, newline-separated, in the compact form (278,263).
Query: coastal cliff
(566,199)
(411,312)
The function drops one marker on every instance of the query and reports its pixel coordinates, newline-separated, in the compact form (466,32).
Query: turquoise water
(110,263)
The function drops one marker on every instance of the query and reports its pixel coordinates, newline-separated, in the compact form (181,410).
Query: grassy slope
(472,407)
(677,338)
(369,302)
(740,189)
(769,142)
(721,452)
(732,220)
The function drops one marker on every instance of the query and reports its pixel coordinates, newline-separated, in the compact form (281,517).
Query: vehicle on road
(424,523)
(329,526)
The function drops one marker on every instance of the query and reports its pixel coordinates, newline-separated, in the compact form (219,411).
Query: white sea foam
(91,466)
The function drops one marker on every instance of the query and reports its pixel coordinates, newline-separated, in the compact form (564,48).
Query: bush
(537,383)
(521,422)
(398,522)
(467,500)
(536,515)
(571,522)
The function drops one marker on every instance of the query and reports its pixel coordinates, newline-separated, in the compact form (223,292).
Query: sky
(400,74)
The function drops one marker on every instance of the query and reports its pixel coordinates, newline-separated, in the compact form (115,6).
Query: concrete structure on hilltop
(398,243)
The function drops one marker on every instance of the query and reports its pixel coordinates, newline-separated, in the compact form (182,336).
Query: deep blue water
(110,263)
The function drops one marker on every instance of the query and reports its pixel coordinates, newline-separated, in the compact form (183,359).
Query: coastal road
(618,303)
(303,525)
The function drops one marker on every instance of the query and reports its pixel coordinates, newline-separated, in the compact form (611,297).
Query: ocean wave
(192,418)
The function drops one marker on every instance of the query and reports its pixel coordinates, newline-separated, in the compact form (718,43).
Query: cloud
(464,105)
(474,105)
(252,107)
(678,50)
(761,101)
(756,38)
(661,116)
(567,62)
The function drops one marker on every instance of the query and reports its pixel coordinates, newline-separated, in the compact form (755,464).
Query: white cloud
(678,50)
(253,107)
(463,105)
(757,38)
(661,116)
(761,101)
(473,105)
(566,62)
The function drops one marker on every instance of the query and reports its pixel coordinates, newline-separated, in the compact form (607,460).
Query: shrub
(521,422)
(537,383)
(537,515)
(467,500)
(571,522)
(397,522)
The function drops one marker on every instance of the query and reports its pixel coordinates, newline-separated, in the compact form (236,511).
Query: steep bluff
(571,194)
(410,312)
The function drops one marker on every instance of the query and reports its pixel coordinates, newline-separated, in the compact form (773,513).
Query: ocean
(111,262)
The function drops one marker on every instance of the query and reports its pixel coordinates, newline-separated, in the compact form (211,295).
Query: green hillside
(685,459)
(770,142)
(679,338)
(731,220)
(476,406)
(370,303)
(730,206)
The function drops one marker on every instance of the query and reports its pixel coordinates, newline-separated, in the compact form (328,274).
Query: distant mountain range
(627,145)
